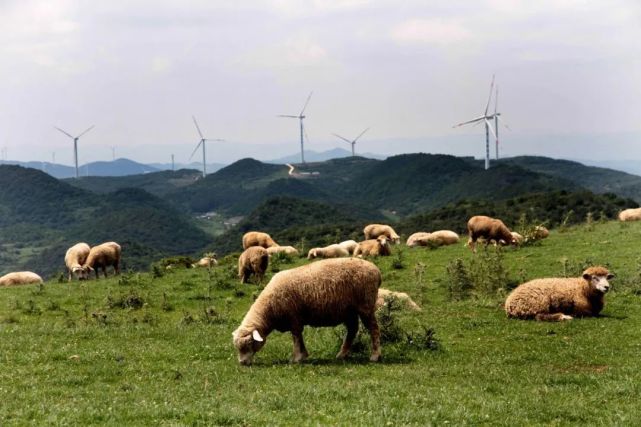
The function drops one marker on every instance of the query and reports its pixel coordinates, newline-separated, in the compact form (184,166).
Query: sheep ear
(587,277)
(256,336)
(610,276)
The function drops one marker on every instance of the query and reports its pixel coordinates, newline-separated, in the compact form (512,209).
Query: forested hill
(40,217)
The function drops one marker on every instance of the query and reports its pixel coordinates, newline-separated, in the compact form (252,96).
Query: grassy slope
(62,364)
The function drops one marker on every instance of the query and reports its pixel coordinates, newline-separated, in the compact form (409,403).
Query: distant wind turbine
(300,117)
(202,142)
(352,142)
(75,144)
(488,125)
(496,120)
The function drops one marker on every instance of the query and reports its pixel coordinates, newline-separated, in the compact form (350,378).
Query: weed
(166,305)
(99,317)
(397,259)
(388,322)
(589,222)
(187,318)
(425,339)
(31,308)
(565,223)
(419,271)
(130,300)
(459,285)
(52,305)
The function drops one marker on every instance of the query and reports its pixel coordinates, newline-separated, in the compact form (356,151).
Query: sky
(568,73)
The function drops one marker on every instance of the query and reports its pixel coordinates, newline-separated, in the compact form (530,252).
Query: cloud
(430,31)
(293,52)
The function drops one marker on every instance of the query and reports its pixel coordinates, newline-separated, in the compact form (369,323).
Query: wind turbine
(496,120)
(202,142)
(300,117)
(75,144)
(352,142)
(488,125)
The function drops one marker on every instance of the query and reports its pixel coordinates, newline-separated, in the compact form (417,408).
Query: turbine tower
(202,142)
(75,144)
(497,119)
(352,142)
(488,125)
(300,117)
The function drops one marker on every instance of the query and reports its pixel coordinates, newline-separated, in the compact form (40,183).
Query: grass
(137,350)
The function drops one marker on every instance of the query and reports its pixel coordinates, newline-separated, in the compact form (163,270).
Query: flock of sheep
(343,288)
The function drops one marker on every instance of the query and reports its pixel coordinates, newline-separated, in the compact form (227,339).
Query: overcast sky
(569,76)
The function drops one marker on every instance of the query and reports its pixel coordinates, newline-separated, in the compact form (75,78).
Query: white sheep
(420,238)
(75,259)
(556,299)
(253,261)
(324,293)
(20,278)
(372,231)
(205,262)
(383,294)
(331,251)
(633,214)
(373,247)
(289,250)
(350,245)
(257,238)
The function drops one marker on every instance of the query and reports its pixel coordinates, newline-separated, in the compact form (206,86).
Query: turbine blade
(63,132)
(306,136)
(92,126)
(478,119)
(344,139)
(361,134)
(198,127)
(503,123)
(496,100)
(306,102)
(285,115)
(196,149)
(490,97)
(489,125)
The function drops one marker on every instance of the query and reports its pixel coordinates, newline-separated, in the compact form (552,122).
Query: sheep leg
(352,330)
(471,243)
(369,320)
(300,352)
(69,275)
(552,317)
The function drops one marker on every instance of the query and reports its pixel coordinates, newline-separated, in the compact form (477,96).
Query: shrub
(460,284)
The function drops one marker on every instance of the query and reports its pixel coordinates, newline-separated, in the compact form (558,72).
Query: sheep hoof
(298,358)
(342,355)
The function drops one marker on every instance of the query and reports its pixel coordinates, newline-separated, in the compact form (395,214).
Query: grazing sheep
(331,251)
(372,231)
(205,262)
(556,299)
(75,258)
(540,232)
(324,293)
(401,296)
(373,247)
(630,214)
(101,257)
(350,245)
(20,278)
(289,250)
(253,260)
(257,238)
(489,229)
(517,236)
(420,238)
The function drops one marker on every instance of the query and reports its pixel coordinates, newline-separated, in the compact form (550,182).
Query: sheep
(257,238)
(420,238)
(383,294)
(75,258)
(444,237)
(19,278)
(350,245)
(489,229)
(253,260)
(206,262)
(331,251)
(289,250)
(517,236)
(540,232)
(630,214)
(102,256)
(324,293)
(372,231)
(556,299)
(373,247)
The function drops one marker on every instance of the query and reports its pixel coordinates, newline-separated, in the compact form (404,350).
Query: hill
(118,167)
(316,156)
(40,217)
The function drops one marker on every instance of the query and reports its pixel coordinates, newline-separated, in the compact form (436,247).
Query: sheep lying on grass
(420,238)
(257,238)
(103,256)
(349,245)
(373,247)
(324,293)
(289,250)
(253,260)
(74,260)
(490,229)
(331,251)
(633,214)
(383,294)
(205,262)
(556,299)
(372,231)
(20,278)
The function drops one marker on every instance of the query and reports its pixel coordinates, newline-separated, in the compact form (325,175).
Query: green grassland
(155,348)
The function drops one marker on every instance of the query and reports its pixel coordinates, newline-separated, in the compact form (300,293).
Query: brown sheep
(20,278)
(74,260)
(324,293)
(289,250)
(331,251)
(373,247)
(489,229)
(633,214)
(257,238)
(556,299)
(103,256)
(401,296)
(253,260)
(372,231)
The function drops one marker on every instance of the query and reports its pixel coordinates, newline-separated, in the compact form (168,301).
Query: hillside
(117,167)
(40,217)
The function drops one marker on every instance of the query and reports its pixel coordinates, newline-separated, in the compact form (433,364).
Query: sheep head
(247,344)
(383,241)
(597,278)
(80,273)
(312,253)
